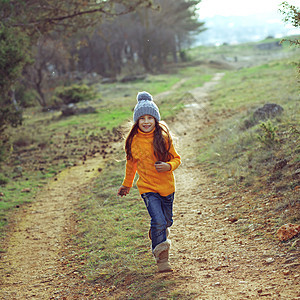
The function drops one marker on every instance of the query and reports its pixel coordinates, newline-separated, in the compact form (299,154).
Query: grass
(113,238)
(18,192)
(261,84)
(243,156)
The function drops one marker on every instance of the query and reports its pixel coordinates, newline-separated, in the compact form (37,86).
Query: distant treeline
(84,37)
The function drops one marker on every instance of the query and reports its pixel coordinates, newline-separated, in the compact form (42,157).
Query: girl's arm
(176,160)
(129,173)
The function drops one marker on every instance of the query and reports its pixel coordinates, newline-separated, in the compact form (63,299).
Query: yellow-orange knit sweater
(143,163)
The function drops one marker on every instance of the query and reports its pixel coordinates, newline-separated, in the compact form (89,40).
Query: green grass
(113,241)
(113,238)
(272,82)
(18,192)
(237,156)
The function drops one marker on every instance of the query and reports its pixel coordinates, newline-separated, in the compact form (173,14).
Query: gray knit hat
(145,106)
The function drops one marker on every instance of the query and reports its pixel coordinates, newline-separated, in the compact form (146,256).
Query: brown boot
(161,254)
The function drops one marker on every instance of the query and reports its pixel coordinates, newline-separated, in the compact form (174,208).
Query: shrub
(3,180)
(268,136)
(75,93)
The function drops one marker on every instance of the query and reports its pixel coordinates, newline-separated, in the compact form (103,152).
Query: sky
(210,8)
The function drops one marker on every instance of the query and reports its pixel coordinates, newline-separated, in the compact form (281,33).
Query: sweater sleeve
(129,173)
(176,160)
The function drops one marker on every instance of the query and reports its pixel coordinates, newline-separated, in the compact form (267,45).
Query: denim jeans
(160,210)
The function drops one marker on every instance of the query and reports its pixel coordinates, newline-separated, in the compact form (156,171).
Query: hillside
(69,236)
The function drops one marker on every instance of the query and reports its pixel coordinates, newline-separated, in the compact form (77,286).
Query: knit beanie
(145,106)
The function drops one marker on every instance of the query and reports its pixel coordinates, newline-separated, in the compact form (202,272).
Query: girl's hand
(162,166)
(123,190)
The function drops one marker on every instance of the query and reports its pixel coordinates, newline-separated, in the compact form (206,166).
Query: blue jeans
(160,210)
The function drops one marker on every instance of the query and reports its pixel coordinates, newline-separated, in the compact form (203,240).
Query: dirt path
(32,264)
(211,260)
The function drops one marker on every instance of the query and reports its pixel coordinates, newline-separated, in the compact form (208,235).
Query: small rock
(269,110)
(26,190)
(241,221)
(218,268)
(270,260)
(280,164)
(232,219)
(287,231)
(286,272)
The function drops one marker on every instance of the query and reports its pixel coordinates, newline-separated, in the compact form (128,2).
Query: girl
(150,153)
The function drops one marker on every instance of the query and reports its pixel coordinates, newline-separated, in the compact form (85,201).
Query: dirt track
(211,260)
(31,268)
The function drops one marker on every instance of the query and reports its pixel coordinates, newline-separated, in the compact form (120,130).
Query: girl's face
(146,123)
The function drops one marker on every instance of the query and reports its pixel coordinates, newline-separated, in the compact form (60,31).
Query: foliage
(13,56)
(145,40)
(22,21)
(268,136)
(291,15)
(3,180)
(36,17)
(75,93)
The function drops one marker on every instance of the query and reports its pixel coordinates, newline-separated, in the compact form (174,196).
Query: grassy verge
(259,160)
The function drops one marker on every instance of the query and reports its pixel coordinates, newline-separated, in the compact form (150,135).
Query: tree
(51,61)
(166,31)
(145,38)
(13,57)
(291,15)
(35,18)
(41,16)
(24,22)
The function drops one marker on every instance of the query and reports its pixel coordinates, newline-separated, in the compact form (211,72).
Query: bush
(3,180)
(26,97)
(75,93)
(268,136)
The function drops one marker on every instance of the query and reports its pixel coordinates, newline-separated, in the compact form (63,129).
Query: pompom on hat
(145,106)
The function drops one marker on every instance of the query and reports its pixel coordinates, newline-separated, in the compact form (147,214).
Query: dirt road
(211,260)
(31,268)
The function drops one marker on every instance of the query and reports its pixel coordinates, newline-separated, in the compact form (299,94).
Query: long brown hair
(162,142)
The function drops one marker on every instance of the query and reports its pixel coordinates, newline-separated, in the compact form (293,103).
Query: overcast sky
(210,8)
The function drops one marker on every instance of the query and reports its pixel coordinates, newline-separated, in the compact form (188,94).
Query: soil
(211,259)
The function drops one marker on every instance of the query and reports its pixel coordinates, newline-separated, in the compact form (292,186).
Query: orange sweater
(143,163)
